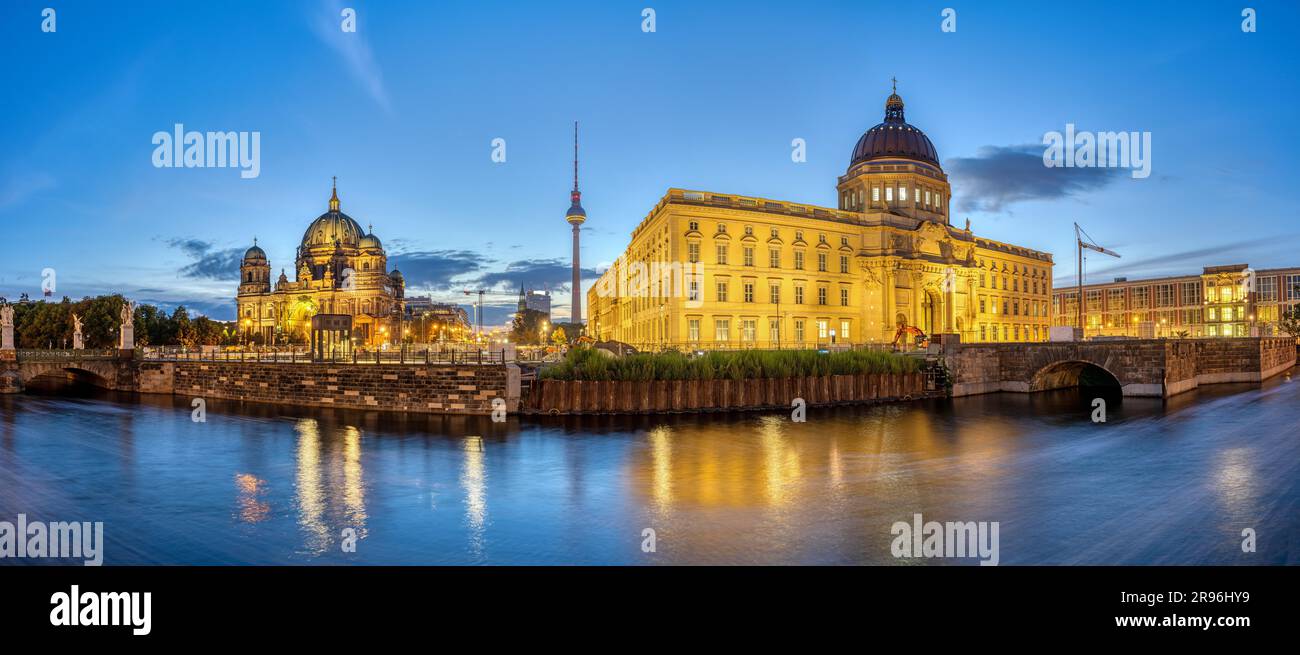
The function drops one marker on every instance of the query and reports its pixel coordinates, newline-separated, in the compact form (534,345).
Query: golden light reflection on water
(310,490)
(473,479)
(252,509)
(781,468)
(661,455)
(330,484)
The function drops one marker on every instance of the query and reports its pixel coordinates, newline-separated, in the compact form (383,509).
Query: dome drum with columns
(338,269)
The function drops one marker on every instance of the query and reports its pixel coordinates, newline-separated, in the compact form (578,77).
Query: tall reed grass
(589,364)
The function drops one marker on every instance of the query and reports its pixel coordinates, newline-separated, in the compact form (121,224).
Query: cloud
(436,269)
(535,273)
(1181,263)
(355,51)
(1002,175)
(209,264)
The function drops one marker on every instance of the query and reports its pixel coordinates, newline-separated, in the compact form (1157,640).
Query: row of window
(925,198)
(722,293)
(1013,307)
(746,329)
(721,257)
(774,232)
(1012,332)
(1030,286)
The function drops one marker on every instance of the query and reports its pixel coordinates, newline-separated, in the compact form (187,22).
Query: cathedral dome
(254,252)
(894,139)
(331,227)
(371,241)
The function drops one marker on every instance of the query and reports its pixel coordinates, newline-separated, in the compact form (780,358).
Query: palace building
(339,269)
(1223,301)
(770,273)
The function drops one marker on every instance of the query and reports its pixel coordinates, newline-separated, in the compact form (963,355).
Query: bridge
(108,368)
(1146,367)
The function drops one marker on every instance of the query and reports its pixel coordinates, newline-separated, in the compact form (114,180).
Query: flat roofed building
(1222,301)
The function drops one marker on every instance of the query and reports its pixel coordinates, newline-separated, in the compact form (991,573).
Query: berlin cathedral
(339,269)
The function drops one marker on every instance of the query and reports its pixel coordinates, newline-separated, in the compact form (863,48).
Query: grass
(588,364)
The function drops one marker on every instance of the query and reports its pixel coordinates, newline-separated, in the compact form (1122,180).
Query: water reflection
(1159,482)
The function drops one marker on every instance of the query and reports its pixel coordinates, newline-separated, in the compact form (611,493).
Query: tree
(558,337)
(527,325)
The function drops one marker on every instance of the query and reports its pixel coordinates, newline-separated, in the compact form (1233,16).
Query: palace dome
(894,139)
(333,226)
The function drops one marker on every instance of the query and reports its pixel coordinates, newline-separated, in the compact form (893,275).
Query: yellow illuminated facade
(713,270)
(339,270)
(1223,301)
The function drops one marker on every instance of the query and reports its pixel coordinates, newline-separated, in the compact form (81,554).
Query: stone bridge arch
(100,374)
(1072,373)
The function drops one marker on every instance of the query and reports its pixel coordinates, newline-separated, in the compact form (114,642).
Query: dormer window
(694,226)
(722,227)
(775,233)
(749,230)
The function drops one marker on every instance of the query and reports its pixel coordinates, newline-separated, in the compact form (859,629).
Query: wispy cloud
(999,176)
(353,48)
(18,188)
(436,270)
(209,263)
(552,273)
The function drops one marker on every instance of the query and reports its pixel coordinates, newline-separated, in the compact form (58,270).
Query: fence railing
(395,356)
(36,355)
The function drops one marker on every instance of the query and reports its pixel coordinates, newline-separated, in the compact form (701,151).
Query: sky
(405,111)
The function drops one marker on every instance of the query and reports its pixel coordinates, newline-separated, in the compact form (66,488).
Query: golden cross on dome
(895,81)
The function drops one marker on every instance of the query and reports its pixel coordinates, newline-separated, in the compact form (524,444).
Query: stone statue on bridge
(6,328)
(127,341)
(77,342)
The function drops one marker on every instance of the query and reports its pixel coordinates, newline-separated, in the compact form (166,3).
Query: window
(749,256)
(798,260)
(693,329)
(844,330)
(722,330)
(1293,287)
(902,193)
(875,194)
(749,291)
(844,263)
(693,293)
(722,227)
(844,297)
(748,330)
(773,330)
(693,252)
(798,295)
(774,294)
(981,281)
(889,194)
(822,330)
(722,253)
(1164,295)
(798,329)
(774,258)
(984,331)
(1268,289)
(776,234)
(798,235)
(927,203)
(1191,293)
(844,241)
(749,230)
(821,295)
(1004,282)
(722,291)
(821,238)
(982,308)
(821,262)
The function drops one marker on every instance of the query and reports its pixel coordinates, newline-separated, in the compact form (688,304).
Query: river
(1159,482)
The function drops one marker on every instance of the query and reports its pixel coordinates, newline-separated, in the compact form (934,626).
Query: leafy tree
(558,337)
(527,325)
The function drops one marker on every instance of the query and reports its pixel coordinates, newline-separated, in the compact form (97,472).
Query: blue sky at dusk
(404,112)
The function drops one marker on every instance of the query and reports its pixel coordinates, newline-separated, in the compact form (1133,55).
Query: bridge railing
(395,356)
(39,355)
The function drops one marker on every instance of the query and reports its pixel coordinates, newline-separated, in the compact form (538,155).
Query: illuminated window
(822,331)
(798,329)
(722,330)
(749,256)
(844,330)
(693,252)
(693,329)
(722,253)
(748,330)
(875,194)
(773,330)
(902,193)
(927,202)
(889,194)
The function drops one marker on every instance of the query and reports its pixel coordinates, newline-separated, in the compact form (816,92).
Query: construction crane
(1079,234)
(478,307)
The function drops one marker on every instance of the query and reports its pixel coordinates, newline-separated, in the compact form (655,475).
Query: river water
(1160,482)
